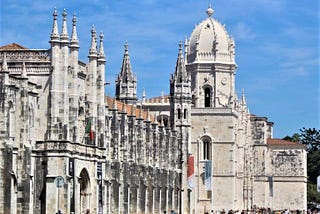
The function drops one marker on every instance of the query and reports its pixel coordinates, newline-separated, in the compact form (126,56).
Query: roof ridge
(12,46)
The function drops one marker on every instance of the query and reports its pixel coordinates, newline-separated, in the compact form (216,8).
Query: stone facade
(66,146)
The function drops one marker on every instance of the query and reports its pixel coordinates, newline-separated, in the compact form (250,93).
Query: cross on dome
(209,11)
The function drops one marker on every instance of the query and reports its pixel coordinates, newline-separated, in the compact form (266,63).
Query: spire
(4,63)
(74,36)
(140,112)
(55,33)
(148,115)
(24,70)
(180,71)
(243,98)
(161,121)
(64,33)
(162,96)
(114,104)
(126,73)
(126,82)
(132,111)
(155,119)
(123,108)
(101,50)
(93,47)
(209,11)
(143,96)
(186,45)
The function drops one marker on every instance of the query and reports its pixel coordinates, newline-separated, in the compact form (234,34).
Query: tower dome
(210,42)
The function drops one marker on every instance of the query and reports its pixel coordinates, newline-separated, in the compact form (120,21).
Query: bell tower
(211,64)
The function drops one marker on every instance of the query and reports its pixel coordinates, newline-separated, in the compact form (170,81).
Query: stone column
(160,198)
(128,204)
(137,210)
(146,199)
(167,199)
(153,199)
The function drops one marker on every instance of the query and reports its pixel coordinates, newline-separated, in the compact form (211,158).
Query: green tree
(312,194)
(311,138)
(294,138)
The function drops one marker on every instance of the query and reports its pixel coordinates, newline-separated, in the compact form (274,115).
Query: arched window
(12,120)
(185,114)
(179,113)
(85,193)
(206,149)
(207,97)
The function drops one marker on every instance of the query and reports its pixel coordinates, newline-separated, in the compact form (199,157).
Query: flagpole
(211,179)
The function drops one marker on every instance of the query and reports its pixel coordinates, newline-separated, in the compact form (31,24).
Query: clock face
(224,81)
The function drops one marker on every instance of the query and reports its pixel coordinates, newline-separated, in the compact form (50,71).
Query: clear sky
(277,45)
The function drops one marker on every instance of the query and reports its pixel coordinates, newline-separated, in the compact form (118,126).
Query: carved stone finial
(209,11)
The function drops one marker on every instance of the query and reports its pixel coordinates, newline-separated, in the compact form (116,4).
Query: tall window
(12,121)
(207,97)
(185,114)
(206,149)
(179,113)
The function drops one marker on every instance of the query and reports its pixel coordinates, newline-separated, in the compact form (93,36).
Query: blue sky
(277,45)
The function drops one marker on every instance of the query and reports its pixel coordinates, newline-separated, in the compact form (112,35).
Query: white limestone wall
(41,109)
(260,192)
(288,194)
(219,126)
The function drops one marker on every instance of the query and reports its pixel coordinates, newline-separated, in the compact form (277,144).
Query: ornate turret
(180,93)
(93,46)
(4,63)
(101,49)
(55,34)
(100,92)
(126,83)
(180,73)
(92,78)
(74,43)
(180,116)
(73,90)
(243,98)
(64,37)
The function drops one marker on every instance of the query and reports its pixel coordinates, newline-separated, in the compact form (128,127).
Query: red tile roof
(13,46)
(128,108)
(280,142)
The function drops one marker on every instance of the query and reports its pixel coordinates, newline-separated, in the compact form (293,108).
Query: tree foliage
(312,194)
(294,138)
(310,138)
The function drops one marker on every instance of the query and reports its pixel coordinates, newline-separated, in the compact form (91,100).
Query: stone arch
(208,92)
(164,118)
(85,190)
(206,147)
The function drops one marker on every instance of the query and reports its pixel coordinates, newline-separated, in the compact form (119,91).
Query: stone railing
(43,69)
(67,146)
(25,55)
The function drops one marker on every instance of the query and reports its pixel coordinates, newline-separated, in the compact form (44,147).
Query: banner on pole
(191,172)
(207,175)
